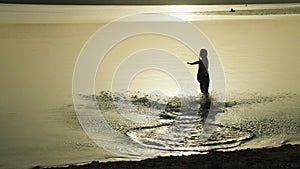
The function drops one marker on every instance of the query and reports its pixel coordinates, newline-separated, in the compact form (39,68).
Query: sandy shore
(286,156)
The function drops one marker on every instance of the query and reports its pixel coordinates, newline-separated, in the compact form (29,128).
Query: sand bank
(286,156)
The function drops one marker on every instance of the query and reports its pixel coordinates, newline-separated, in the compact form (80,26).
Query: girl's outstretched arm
(193,63)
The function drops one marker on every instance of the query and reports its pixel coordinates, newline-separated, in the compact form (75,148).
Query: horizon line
(137,4)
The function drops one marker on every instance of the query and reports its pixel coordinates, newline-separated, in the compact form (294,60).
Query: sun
(184,12)
(180,8)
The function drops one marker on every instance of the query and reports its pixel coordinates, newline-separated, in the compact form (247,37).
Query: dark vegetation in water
(269,127)
(108,100)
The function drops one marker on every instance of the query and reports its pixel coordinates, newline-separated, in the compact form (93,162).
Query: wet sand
(286,156)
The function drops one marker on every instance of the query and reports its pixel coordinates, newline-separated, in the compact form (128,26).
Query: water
(175,125)
(95,14)
(39,48)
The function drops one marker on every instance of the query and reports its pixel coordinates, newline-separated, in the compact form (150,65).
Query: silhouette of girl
(202,75)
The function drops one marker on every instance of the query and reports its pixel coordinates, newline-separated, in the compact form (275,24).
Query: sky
(145,2)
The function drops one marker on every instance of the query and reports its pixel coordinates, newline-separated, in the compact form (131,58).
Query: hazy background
(149,2)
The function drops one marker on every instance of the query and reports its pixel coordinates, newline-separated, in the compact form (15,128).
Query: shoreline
(153,3)
(286,156)
(254,12)
(37,14)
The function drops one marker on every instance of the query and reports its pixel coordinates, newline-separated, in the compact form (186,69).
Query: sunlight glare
(152,80)
(181,8)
